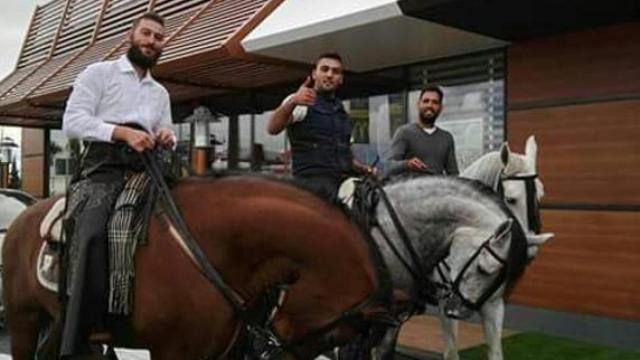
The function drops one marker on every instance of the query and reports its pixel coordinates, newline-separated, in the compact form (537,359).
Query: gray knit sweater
(436,150)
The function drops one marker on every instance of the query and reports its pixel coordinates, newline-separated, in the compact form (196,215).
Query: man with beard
(421,148)
(118,110)
(319,130)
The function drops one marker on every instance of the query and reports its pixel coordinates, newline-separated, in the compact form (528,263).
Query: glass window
(473,109)
(384,114)
(62,159)
(61,166)
(473,112)
(274,147)
(359,114)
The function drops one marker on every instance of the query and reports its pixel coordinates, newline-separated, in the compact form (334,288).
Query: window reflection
(63,157)
(473,112)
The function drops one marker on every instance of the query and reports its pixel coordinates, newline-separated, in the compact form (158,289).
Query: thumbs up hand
(305,95)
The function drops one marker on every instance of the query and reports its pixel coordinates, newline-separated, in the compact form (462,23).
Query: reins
(271,345)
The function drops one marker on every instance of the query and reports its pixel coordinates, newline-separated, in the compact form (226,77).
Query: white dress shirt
(109,93)
(299,112)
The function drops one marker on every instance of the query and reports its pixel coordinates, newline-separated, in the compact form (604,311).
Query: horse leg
(24,328)
(449,335)
(385,350)
(492,318)
(49,347)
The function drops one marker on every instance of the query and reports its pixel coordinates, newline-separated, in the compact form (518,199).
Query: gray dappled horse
(424,220)
(515,178)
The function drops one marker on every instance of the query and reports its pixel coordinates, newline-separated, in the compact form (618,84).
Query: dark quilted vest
(320,144)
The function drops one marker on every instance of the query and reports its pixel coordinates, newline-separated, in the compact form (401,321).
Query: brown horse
(256,232)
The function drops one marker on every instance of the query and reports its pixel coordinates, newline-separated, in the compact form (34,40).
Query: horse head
(522,191)
(456,227)
(515,177)
(475,268)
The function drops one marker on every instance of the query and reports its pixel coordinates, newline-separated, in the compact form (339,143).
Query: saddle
(126,230)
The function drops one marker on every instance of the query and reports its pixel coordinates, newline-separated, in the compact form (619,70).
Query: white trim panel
(369,34)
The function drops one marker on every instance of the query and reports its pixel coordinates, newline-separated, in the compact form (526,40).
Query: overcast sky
(14,19)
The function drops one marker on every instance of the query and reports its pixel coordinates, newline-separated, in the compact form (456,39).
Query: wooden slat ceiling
(57,87)
(219,21)
(15,77)
(65,77)
(27,85)
(200,59)
(78,26)
(233,73)
(42,32)
(118,17)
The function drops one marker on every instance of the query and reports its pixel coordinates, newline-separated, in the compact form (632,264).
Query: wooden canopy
(202,55)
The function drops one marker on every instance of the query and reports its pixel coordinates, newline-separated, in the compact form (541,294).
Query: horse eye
(510,200)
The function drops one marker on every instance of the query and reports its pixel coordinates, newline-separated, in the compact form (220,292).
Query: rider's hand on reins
(165,138)
(138,140)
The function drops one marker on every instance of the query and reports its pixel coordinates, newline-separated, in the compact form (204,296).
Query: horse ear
(504,153)
(540,239)
(535,241)
(531,152)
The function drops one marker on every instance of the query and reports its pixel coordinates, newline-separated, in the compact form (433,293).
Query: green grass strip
(535,346)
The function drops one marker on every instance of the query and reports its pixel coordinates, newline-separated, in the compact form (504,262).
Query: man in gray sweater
(421,148)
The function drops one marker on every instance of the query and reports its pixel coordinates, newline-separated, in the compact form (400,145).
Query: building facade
(568,73)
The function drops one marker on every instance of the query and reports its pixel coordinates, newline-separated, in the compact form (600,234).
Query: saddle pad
(51,225)
(47,267)
(346,190)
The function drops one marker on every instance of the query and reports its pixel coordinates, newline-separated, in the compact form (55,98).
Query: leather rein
(271,344)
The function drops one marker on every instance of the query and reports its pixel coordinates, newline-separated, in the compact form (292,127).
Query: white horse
(421,222)
(514,176)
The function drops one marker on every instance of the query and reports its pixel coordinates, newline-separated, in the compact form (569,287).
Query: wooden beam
(195,84)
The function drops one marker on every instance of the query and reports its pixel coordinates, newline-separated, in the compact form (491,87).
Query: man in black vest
(319,130)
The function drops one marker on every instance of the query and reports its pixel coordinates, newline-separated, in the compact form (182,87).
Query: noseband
(453,286)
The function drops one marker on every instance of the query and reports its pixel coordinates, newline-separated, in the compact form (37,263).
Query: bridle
(533,218)
(453,286)
(533,209)
(432,290)
(264,341)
